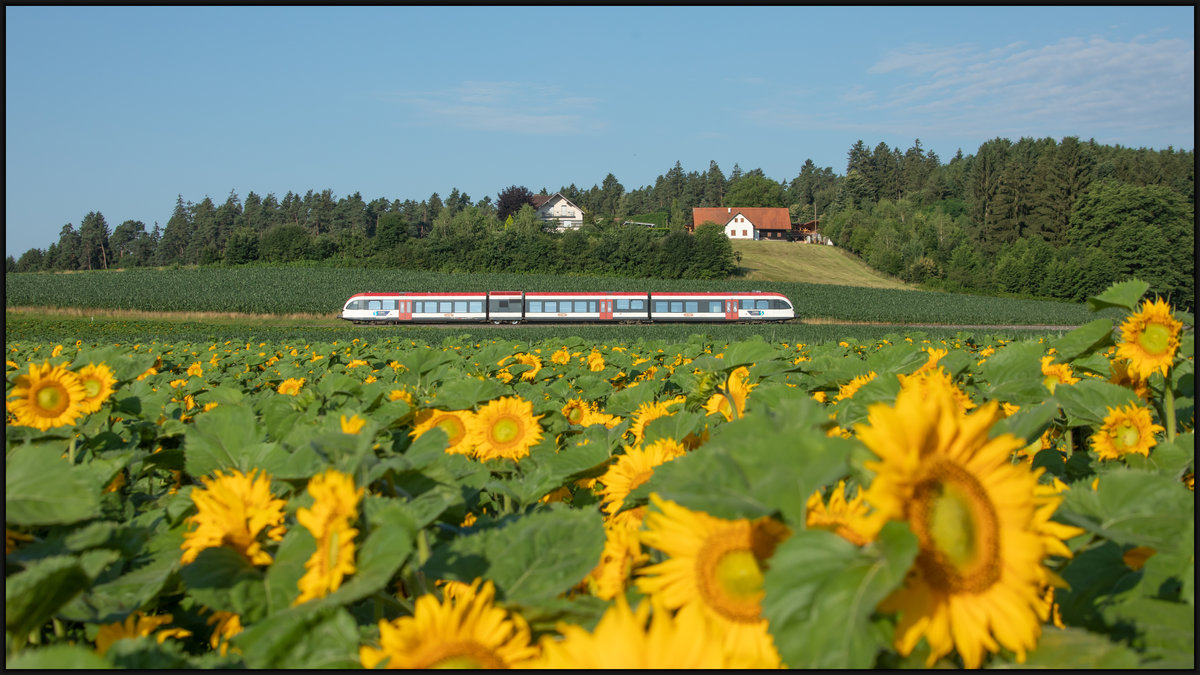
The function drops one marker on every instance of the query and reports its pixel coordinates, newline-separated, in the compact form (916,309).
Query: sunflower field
(571,503)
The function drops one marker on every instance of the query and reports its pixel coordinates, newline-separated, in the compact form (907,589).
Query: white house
(563,211)
(747,222)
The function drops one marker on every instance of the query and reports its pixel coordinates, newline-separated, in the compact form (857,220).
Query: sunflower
(1120,375)
(402,395)
(622,554)
(195,370)
(463,631)
(1125,431)
(648,412)
(330,520)
(850,388)
(594,416)
(290,386)
(983,528)
(629,471)
(534,363)
(234,510)
(937,378)
(626,639)
(935,355)
(137,625)
(1149,339)
(225,626)
(98,384)
(575,410)
(562,356)
(595,361)
(717,564)
(730,402)
(454,422)
(505,427)
(847,519)
(49,396)
(1056,374)
(352,424)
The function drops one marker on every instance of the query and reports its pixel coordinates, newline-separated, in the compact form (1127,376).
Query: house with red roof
(747,222)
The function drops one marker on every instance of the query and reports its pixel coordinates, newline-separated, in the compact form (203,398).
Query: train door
(606,310)
(406,310)
(731,309)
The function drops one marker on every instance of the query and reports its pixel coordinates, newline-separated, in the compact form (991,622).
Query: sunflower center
(505,430)
(465,655)
(1154,338)
(575,415)
(1126,436)
(51,399)
(729,576)
(958,530)
(453,428)
(92,387)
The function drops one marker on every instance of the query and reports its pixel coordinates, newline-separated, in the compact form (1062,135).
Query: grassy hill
(807,263)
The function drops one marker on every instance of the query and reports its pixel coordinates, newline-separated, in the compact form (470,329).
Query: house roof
(540,200)
(763,217)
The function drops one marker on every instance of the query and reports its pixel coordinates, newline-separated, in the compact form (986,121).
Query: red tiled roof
(538,200)
(763,217)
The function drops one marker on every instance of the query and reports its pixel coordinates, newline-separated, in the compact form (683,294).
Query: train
(515,307)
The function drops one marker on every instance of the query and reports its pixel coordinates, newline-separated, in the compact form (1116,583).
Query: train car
(747,306)
(597,307)
(506,306)
(543,307)
(396,308)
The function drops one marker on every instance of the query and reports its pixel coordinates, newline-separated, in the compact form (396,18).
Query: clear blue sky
(121,109)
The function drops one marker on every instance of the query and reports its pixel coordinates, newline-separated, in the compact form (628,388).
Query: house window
(745,233)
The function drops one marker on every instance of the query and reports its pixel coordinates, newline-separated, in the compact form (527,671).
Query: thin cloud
(1091,84)
(511,107)
(1090,87)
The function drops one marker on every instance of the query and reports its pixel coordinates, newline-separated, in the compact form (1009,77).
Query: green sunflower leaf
(1086,402)
(301,640)
(41,488)
(1075,648)
(1087,338)
(1124,295)
(821,592)
(57,657)
(531,558)
(34,594)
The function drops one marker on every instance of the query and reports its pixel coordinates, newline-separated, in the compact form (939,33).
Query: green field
(320,292)
(807,263)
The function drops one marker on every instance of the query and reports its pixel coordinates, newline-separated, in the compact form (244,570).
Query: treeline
(1038,217)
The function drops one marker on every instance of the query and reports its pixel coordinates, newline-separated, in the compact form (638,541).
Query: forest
(1033,218)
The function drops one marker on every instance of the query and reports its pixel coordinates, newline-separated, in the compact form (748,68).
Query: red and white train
(538,306)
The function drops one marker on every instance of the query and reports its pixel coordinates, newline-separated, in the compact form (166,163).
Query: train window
(714,306)
(374,304)
(476,306)
(581,306)
(551,305)
(445,307)
(637,305)
(622,305)
(677,306)
(660,306)
(391,304)
(691,306)
(460,305)
(761,304)
(592,306)
(779,304)
(354,304)
(535,306)
(746,304)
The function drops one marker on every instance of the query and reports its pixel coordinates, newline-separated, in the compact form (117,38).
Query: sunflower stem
(71,451)
(1169,409)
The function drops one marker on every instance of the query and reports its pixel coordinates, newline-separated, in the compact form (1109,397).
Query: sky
(122,110)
